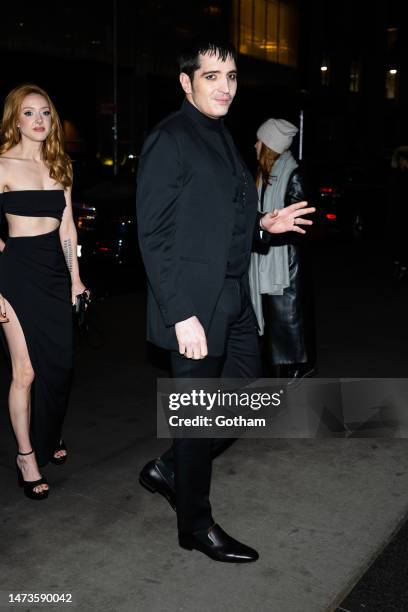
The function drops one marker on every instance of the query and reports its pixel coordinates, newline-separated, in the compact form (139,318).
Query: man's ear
(186,83)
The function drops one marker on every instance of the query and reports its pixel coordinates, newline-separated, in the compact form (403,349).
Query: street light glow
(393,71)
(324,68)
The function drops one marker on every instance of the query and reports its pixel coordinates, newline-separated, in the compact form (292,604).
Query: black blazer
(186,202)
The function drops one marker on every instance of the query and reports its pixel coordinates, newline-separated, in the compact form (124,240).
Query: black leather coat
(287,332)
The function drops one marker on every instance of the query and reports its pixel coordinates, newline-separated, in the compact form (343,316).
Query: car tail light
(328,191)
(102,248)
(331,216)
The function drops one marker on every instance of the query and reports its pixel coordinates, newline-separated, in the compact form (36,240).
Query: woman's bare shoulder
(6,160)
(7,168)
(9,156)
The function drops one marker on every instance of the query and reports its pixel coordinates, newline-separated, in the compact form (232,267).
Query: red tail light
(331,216)
(327,190)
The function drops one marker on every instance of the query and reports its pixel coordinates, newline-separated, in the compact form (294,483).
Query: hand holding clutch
(82,302)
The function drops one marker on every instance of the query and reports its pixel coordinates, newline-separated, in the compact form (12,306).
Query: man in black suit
(197,214)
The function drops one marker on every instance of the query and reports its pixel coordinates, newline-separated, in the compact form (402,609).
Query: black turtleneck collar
(191,111)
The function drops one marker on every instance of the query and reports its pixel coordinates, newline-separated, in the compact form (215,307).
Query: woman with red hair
(39,278)
(280,294)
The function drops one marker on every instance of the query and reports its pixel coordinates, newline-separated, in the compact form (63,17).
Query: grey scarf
(270,273)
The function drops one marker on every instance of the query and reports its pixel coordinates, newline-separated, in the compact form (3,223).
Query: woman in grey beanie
(277,287)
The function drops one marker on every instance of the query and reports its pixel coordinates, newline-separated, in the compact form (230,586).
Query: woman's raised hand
(287,219)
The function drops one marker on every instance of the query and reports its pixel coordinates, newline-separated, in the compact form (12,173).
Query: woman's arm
(2,182)
(295,191)
(69,241)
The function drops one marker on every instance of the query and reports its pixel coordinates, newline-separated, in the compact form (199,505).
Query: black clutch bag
(81,306)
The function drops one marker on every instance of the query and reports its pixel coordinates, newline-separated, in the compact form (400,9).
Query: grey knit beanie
(277,134)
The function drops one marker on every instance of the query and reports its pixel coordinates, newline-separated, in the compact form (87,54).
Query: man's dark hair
(189,60)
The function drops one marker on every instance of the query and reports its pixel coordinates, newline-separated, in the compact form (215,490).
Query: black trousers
(234,325)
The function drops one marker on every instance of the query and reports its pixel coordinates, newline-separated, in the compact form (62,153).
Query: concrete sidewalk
(318,511)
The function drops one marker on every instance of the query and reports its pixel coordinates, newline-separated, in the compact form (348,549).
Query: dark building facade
(342,64)
(353,79)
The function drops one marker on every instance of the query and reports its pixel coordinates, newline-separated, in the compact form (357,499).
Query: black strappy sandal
(29,485)
(63,458)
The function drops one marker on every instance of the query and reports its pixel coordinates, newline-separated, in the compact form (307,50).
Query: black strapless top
(34,202)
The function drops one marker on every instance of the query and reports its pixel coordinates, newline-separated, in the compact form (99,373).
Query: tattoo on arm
(67,247)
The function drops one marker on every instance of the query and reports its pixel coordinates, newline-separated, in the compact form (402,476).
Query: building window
(213,10)
(391,84)
(267,30)
(324,73)
(392,38)
(355,73)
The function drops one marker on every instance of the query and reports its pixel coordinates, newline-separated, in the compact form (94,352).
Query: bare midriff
(20,226)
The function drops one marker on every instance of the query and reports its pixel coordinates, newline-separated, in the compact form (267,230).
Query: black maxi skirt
(34,279)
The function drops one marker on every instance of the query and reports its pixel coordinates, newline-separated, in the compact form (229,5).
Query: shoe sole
(56,461)
(225,560)
(36,497)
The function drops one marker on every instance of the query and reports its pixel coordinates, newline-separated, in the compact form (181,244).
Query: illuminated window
(324,73)
(392,38)
(212,9)
(267,30)
(355,76)
(391,84)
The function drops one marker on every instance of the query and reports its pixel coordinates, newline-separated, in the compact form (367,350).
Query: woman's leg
(19,396)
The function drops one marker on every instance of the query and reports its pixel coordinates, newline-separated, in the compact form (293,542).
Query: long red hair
(53,152)
(267,158)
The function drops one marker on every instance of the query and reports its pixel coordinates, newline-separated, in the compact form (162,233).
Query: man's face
(213,85)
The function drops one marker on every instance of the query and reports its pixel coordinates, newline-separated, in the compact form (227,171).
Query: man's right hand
(191,338)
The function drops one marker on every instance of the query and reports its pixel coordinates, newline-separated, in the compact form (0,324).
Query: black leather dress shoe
(218,545)
(155,478)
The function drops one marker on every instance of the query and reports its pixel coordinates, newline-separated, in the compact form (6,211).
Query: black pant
(190,459)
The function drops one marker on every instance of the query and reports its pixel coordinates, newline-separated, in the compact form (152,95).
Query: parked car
(106,221)
(348,198)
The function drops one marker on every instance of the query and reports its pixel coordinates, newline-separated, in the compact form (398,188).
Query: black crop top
(33,202)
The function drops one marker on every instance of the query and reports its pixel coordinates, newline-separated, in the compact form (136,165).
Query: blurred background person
(278,290)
